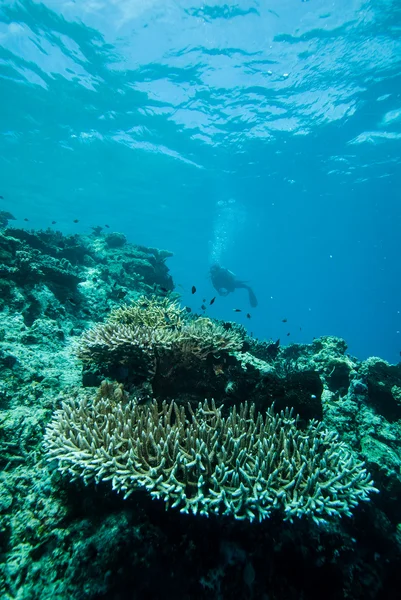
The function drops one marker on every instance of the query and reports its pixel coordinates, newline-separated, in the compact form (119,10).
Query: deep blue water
(264,135)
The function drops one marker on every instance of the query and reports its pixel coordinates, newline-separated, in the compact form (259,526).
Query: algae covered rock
(5,217)
(115,240)
(383,387)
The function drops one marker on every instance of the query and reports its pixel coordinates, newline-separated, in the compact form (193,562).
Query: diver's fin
(252,298)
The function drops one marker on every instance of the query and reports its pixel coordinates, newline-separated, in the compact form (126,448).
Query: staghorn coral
(242,464)
(155,328)
(151,312)
(122,343)
(203,336)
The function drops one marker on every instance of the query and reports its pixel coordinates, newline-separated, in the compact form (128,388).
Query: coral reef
(156,327)
(245,465)
(5,217)
(61,539)
(157,342)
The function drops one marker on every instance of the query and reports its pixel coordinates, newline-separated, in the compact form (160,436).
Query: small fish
(248,316)
(76,221)
(237,310)
(288,334)
(188,309)
(1,197)
(163,289)
(26,220)
(54,222)
(193,289)
(284,320)
(203,307)
(114,284)
(300,329)
(121,294)
(71,301)
(107,226)
(203,300)
(212,301)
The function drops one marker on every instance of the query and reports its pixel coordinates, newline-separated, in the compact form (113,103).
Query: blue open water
(262,135)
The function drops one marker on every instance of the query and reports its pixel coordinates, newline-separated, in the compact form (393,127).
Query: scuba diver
(224,282)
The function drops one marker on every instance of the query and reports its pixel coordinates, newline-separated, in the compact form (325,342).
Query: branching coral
(241,464)
(122,343)
(154,327)
(203,337)
(155,312)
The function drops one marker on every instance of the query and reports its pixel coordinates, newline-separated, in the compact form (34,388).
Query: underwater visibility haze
(200,206)
(261,134)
